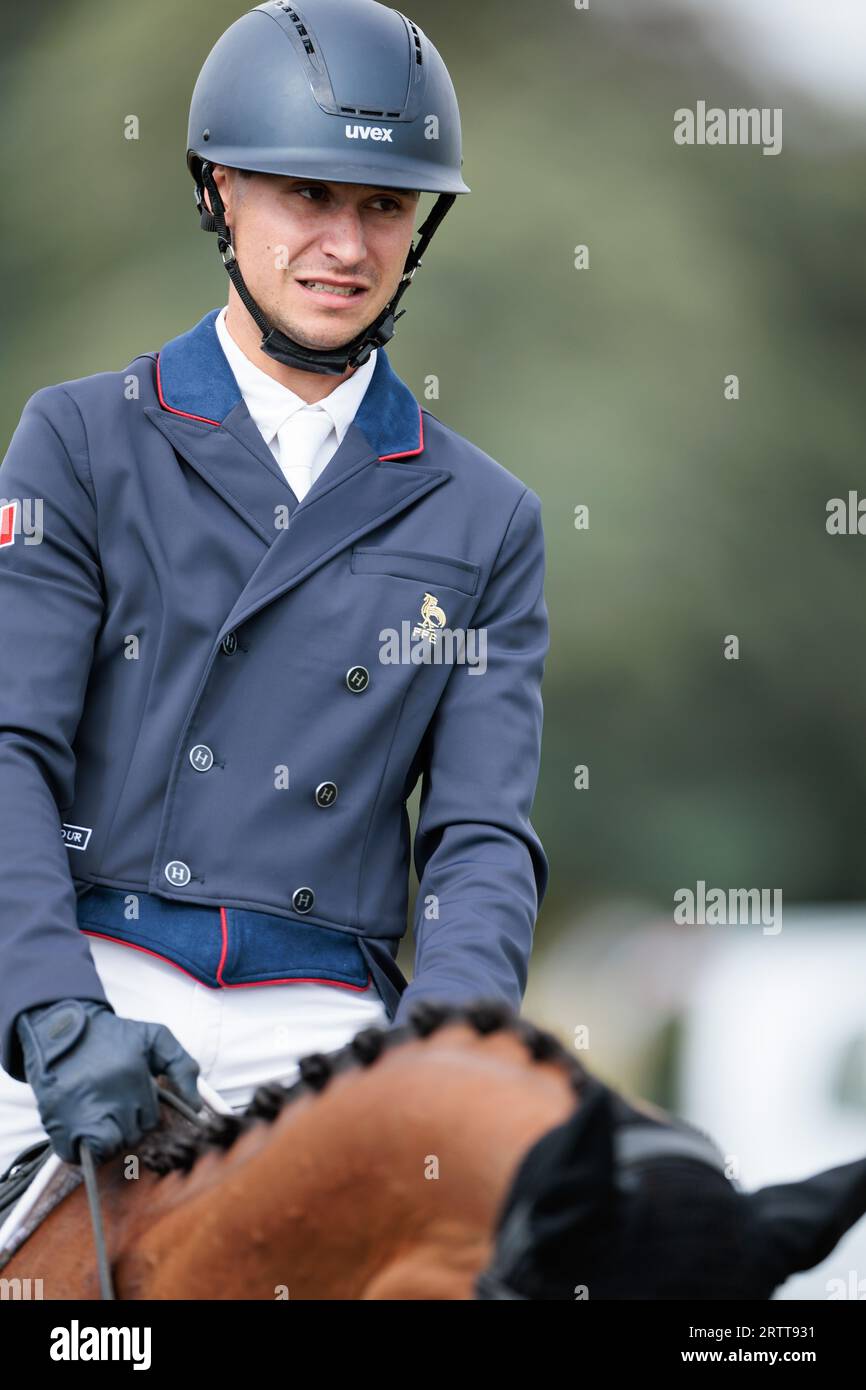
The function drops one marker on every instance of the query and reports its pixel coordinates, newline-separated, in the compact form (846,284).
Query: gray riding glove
(92,1074)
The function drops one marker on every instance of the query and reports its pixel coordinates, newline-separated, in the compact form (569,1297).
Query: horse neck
(390,1179)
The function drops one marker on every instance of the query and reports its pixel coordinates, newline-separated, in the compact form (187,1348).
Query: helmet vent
(303,32)
(417,38)
(362,111)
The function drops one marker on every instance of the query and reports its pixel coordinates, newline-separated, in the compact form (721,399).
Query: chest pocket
(415,564)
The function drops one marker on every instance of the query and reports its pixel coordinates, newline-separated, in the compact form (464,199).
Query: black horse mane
(172,1150)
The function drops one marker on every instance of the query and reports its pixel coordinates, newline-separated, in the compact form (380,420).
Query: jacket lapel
(366,493)
(368,481)
(229,459)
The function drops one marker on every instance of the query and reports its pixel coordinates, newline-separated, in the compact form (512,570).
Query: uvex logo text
(369,132)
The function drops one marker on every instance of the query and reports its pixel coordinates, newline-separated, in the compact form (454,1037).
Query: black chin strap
(329,361)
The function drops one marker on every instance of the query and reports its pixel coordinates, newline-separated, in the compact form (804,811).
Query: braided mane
(166,1151)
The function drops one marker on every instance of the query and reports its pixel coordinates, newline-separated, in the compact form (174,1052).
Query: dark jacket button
(357,679)
(326,793)
(303,899)
(201,757)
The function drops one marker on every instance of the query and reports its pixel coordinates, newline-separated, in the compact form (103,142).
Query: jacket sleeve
(481,867)
(51,608)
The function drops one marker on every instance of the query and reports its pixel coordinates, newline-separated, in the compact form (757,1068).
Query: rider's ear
(218,174)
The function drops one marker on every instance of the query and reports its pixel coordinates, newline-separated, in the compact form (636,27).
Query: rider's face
(290,233)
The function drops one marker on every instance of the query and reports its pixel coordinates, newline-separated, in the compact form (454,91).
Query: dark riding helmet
(346,91)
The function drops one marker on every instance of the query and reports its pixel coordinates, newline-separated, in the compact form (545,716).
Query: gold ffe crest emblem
(432,619)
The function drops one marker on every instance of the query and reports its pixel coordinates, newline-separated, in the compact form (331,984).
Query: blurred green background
(601,387)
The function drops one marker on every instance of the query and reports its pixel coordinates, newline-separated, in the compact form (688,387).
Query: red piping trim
(251,984)
(410,453)
(224,928)
(185,413)
(334,984)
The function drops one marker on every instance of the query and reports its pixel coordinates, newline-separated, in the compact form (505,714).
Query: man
(230,655)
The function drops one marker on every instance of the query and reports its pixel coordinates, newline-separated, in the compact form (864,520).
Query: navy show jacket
(195,713)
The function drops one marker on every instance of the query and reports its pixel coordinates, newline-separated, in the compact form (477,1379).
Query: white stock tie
(300,439)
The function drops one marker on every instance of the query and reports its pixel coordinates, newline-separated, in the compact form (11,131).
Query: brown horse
(386,1173)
